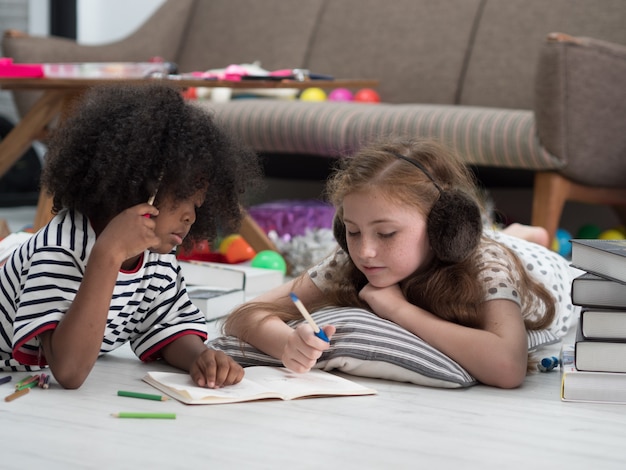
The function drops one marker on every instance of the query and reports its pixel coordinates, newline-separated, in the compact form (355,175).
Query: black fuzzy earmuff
(454,222)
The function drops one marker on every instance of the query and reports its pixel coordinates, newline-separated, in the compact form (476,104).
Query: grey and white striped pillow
(369,346)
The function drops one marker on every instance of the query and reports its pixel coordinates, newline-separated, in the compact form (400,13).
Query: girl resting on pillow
(413,250)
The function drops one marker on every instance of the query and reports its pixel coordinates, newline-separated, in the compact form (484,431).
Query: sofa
(516,87)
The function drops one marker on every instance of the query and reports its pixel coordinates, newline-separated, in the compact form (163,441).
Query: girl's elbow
(510,380)
(69,380)
(509,374)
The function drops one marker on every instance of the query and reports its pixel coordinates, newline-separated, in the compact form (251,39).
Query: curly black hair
(123,142)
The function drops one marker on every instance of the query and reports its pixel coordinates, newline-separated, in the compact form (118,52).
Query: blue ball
(565,245)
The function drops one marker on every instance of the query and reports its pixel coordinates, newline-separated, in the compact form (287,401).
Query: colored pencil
(145,396)
(28,382)
(17,394)
(31,384)
(24,380)
(140,415)
(46,384)
(307,316)
(6,379)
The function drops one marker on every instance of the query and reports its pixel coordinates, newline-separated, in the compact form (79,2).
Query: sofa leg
(549,195)
(552,191)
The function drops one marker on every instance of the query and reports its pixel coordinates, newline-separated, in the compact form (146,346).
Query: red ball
(367,95)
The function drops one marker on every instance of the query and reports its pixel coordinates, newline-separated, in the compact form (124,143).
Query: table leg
(254,235)
(29,128)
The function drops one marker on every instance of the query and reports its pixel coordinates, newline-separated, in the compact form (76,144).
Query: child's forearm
(268,335)
(495,360)
(72,348)
(184,351)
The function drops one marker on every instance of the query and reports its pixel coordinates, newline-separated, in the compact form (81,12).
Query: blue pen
(6,379)
(307,316)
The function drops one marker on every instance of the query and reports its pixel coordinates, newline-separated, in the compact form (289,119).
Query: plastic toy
(563,238)
(548,363)
(340,94)
(236,250)
(367,95)
(313,94)
(269,259)
(589,232)
(612,234)
(233,249)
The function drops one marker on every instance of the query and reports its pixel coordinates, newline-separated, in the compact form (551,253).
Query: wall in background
(101,21)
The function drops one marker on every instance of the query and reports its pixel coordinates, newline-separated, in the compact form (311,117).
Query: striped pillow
(369,346)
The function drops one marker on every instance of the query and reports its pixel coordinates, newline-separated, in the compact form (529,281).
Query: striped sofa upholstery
(490,137)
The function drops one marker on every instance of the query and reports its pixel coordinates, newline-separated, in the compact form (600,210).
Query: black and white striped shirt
(150,306)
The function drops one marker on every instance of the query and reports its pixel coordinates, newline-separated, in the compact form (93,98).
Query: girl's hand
(384,301)
(303,348)
(214,369)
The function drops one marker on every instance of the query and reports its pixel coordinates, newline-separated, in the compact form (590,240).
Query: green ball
(268,259)
(589,232)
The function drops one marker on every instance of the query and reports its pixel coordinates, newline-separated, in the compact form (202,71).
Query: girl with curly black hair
(134,173)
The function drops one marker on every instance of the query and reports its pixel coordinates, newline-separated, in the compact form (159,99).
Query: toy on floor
(232,249)
(268,259)
(300,229)
(236,250)
(589,232)
(548,363)
(561,243)
(612,234)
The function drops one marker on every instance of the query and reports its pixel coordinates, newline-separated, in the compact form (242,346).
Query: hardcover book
(215,302)
(596,355)
(259,383)
(590,290)
(253,281)
(607,324)
(606,258)
(588,386)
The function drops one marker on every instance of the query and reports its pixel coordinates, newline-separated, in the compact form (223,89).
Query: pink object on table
(9,69)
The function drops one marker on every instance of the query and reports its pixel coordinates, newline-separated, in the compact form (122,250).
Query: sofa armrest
(580,107)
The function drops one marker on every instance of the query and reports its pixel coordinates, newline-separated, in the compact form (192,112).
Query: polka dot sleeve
(544,265)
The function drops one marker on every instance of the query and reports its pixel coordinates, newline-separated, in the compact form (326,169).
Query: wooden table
(59,94)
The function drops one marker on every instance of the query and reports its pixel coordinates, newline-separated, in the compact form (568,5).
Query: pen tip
(293,296)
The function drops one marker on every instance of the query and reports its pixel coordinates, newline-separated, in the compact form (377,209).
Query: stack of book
(594,367)
(217,288)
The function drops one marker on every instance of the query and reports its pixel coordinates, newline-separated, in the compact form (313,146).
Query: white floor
(404,426)
(18,218)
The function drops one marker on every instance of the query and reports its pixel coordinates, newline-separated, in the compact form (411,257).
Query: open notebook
(259,383)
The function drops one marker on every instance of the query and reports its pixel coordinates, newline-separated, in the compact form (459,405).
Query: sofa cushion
(502,64)
(273,32)
(416,48)
(483,136)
